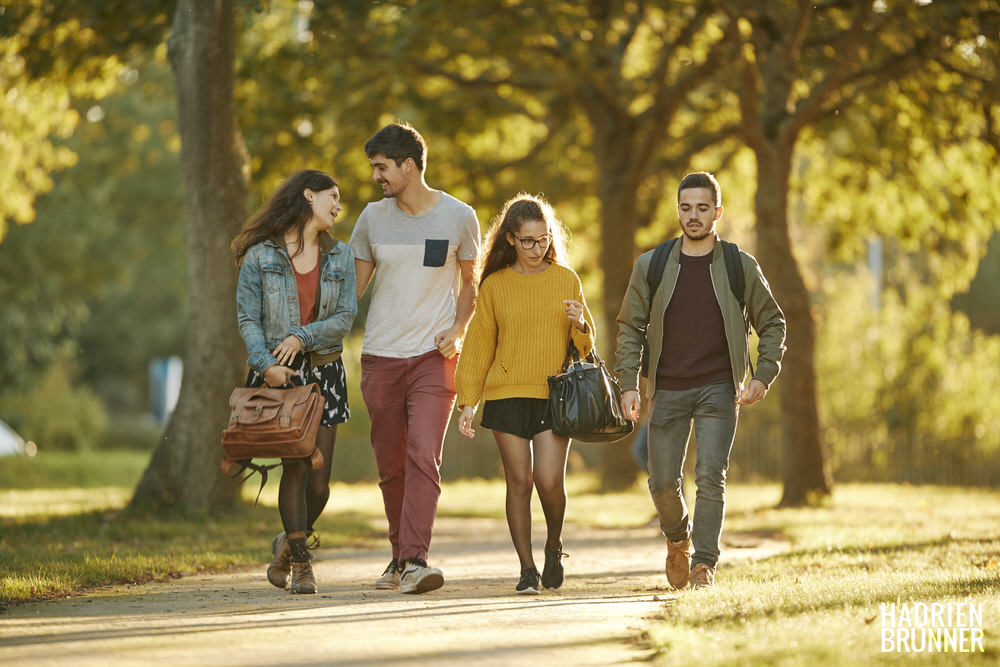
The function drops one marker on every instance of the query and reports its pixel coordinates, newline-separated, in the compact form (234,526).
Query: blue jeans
(714,412)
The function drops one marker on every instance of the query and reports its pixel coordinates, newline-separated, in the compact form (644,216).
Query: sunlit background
(891,196)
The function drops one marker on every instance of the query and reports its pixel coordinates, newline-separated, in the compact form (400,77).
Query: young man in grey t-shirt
(421,245)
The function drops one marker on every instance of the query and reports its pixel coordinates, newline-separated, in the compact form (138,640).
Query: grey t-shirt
(417,278)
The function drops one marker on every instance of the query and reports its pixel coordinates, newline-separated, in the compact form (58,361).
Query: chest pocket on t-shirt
(435,252)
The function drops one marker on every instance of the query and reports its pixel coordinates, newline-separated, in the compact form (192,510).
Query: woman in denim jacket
(295,302)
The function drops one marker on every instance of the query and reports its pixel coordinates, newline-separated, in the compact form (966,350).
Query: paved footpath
(614,588)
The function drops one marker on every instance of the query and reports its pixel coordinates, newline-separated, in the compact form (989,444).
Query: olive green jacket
(765,317)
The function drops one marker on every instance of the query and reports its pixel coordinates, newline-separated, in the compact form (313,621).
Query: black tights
(539,463)
(303,492)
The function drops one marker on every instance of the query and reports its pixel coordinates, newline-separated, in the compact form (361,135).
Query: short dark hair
(398,142)
(701,179)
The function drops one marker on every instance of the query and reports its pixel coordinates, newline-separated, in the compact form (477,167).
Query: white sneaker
(389,581)
(418,578)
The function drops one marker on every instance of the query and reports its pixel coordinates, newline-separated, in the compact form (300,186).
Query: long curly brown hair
(497,251)
(286,209)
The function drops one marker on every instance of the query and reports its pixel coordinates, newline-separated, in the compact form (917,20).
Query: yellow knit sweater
(519,335)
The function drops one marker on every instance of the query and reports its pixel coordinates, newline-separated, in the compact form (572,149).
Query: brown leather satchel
(267,423)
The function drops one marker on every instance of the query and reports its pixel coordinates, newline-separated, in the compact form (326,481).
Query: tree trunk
(806,473)
(184,470)
(617,190)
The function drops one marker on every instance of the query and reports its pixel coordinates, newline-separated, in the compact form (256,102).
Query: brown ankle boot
(303,580)
(281,564)
(702,576)
(678,562)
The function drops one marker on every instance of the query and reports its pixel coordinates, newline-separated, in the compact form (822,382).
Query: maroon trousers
(410,402)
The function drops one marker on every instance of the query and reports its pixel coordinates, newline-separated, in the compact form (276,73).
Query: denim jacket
(267,302)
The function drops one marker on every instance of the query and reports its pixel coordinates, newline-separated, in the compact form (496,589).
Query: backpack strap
(737,282)
(734,270)
(654,272)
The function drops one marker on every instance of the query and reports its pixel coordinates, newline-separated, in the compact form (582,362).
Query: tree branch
(749,92)
(809,108)
(700,143)
(667,56)
(618,53)
(803,19)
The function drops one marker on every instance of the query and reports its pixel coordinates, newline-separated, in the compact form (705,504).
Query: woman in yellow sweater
(530,307)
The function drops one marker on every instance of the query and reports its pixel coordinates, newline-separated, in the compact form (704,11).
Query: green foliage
(75,39)
(102,220)
(110,247)
(56,413)
(34,116)
(129,173)
(505,98)
(51,53)
(904,379)
(69,470)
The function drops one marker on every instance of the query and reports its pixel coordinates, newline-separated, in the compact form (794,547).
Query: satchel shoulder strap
(234,469)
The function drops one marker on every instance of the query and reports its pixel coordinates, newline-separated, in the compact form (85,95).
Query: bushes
(56,413)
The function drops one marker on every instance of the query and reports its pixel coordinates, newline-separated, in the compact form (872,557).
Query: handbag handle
(573,357)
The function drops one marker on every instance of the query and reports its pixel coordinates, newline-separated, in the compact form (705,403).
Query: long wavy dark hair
(497,251)
(286,209)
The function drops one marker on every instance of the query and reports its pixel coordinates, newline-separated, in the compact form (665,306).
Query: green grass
(820,602)
(63,528)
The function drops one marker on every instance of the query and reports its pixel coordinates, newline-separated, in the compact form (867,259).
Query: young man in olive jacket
(698,357)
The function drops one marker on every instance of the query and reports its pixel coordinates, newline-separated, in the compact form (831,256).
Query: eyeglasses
(529,243)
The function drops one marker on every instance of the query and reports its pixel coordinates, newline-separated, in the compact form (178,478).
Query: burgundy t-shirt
(308,288)
(695,352)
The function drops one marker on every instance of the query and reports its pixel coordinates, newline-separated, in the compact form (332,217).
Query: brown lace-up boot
(281,564)
(303,580)
(703,576)
(678,562)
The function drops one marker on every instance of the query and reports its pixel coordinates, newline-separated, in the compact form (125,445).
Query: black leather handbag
(585,401)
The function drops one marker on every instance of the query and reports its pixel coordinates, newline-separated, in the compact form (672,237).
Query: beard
(704,232)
